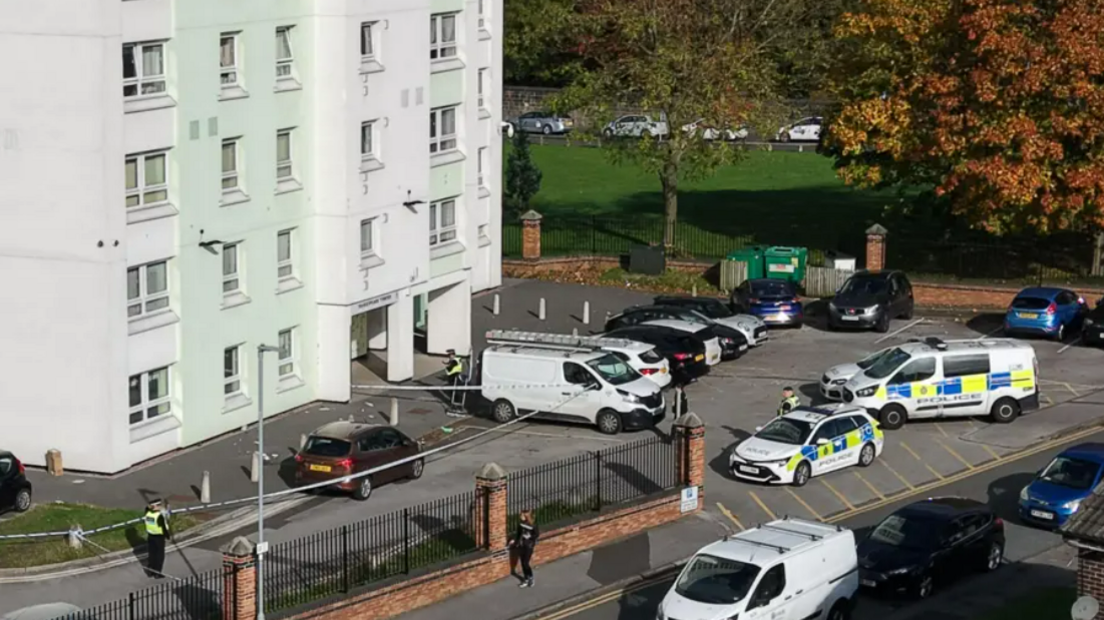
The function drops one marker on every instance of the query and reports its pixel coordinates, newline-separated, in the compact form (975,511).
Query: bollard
(694,291)
(302,441)
(393,419)
(255,467)
(540,312)
(205,488)
(575,332)
(497,306)
(586,313)
(74,537)
(678,402)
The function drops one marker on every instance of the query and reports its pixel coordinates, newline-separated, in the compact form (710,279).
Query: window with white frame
(147,289)
(483,86)
(228,59)
(231,370)
(147,181)
(442,36)
(367,238)
(230,164)
(284,266)
(442,129)
(143,69)
(442,221)
(149,395)
(483,13)
(287,352)
(284,56)
(482,166)
(231,281)
(283,155)
(367,41)
(367,140)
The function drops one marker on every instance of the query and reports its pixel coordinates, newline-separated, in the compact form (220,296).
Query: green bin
(753,256)
(786,263)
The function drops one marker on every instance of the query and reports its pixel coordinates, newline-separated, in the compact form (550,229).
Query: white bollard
(393,419)
(255,467)
(694,291)
(540,311)
(74,537)
(575,332)
(678,403)
(586,313)
(205,488)
(497,305)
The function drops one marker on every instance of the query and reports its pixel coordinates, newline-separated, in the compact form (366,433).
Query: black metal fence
(336,561)
(585,484)
(1064,259)
(199,597)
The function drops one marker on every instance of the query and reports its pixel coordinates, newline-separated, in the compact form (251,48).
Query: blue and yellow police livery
(807,442)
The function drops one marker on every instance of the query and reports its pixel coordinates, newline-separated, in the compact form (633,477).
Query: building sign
(689,499)
(376,302)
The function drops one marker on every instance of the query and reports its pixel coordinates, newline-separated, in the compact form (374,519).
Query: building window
(231,283)
(149,395)
(442,130)
(147,180)
(442,36)
(284,57)
(147,289)
(367,238)
(283,155)
(287,352)
(228,59)
(483,13)
(229,164)
(482,166)
(284,267)
(143,69)
(484,88)
(231,371)
(442,221)
(367,142)
(367,43)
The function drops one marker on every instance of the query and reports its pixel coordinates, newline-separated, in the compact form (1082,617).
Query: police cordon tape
(328,483)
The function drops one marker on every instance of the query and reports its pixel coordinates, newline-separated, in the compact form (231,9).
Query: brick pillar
(689,432)
(239,580)
(875,247)
(1090,575)
(490,508)
(531,235)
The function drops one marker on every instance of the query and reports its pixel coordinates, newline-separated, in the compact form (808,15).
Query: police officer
(157,531)
(790,401)
(454,370)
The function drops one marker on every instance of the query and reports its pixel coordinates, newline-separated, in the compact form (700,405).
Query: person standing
(525,540)
(454,370)
(790,401)
(157,532)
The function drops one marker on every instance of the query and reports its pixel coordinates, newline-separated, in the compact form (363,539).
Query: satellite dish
(1084,608)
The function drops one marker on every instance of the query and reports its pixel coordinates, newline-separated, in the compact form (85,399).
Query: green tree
(523,177)
(538,46)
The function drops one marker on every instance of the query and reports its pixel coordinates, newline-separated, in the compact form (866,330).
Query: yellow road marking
(816,515)
(769,512)
(941,431)
(873,489)
(731,517)
(958,456)
(992,453)
(917,457)
(835,492)
(903,480)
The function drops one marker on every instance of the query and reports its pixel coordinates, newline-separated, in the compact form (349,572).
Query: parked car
(833,379)
(15,490)
(733,341)
(871,299)
(774,301)
(708,132)
(1092,327)
(635,126)
(341,449)
(927,543)
(753,329)
(806,129)
(685,353)
(1059,488)
(546,123)
(1046,311)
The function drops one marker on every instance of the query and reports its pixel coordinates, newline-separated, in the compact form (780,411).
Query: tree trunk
(668,178)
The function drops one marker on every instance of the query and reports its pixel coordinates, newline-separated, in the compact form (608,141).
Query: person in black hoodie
(525,540)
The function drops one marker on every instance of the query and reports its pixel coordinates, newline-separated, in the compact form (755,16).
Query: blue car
(1046,311)
(1058,489)
(773,301)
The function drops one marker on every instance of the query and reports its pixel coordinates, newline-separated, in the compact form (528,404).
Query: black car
(732,341)
(685,353)
(871,299)
(1092,326)
(924,544)
(752,327)
(15,489)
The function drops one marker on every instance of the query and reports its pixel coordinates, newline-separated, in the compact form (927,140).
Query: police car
(807,442)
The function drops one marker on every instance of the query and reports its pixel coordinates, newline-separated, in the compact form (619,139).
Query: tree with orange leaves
(996,104)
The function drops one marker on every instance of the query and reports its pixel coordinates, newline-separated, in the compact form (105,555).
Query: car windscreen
(326,446)
(716,581)
(786,430)
(613,369)
(887,364)
(1071,472)
(908,532)
(864,286)
(768,288)
(714,310)
(1030,303)
(869,360)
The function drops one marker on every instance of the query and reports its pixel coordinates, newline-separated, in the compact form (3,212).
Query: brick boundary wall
(1090,575)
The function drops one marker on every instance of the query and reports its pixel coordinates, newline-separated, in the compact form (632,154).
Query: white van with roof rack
(789,569)
(937,379)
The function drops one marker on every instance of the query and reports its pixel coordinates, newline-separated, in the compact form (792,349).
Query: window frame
(139,81)
(439,49)
(482,88)
(370,127)
(289,61)
(147,404)
(482,13)
(236,275)
(440,142)
(372,52)
(898,377)
(144,298)
(235,174)
(288,163)
(289,261)
(371,250)
(437,230)
(286,364)
(480,165)
(140,189)
(234,68)
(237,377)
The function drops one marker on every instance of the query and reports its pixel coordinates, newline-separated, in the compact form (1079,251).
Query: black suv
(1092,327)
(871,299)
(15,489)
(732,342)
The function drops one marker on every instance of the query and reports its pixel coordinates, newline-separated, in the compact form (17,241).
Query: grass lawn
(1045,604)
(59,517)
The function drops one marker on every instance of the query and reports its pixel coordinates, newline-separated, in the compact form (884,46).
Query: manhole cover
(419,411)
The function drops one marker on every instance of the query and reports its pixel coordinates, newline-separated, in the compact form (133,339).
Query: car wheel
(1060,335)
(503,411)
(994,557)
(417,469)
(546,130)
(910,311)
(609,422)
(23,500)
(882,326)
(802,473)
(1005,410)
(925,586)
(364,489)
(784,137)
(892,417)
(832,327)
(866,455)
(840,611)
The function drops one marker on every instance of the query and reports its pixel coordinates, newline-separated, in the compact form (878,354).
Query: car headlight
(839,381)
(866,392)
(1072,506)
(870,310)
(631,398)
(900,571)
(1024,495)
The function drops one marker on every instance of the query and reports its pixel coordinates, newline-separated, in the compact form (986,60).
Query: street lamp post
(262,547)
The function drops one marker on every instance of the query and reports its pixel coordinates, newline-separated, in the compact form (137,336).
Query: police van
(935,379)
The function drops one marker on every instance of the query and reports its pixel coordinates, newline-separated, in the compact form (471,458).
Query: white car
(807,129)
(807,442)
(833,380)
(640,357)
(635,125)
(712,133)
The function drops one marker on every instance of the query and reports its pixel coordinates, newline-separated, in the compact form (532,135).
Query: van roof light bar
(557,341)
